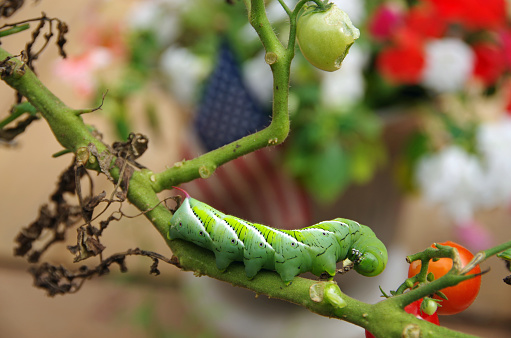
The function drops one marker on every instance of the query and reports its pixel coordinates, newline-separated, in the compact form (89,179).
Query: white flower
(449,63)
(275,12)
(160,16)
(464,183)
(494,144)
(184,71)
(143,14)
(345,86)
(452,178)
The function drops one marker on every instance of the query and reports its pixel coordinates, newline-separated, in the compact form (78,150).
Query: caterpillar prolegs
(315,249)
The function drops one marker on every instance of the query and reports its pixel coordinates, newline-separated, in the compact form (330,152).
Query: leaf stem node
(270,58)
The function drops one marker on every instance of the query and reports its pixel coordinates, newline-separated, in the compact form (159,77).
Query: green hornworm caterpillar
(316,248)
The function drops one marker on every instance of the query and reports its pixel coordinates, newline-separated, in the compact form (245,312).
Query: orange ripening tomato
(459,297)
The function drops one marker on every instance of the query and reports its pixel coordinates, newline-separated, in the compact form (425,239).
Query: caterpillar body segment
(316,248)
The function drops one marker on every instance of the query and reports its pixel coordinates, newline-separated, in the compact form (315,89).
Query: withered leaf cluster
(54,219)
(59,280)
(9,7)
(60,215)
(29,54)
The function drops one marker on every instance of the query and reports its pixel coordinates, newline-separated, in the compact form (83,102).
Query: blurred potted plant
(453,59)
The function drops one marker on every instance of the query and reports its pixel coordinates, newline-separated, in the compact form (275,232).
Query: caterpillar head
(372,262)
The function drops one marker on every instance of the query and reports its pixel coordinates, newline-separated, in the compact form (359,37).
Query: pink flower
(473,235)
(104,45)
(386,19)
(79,71)
(107,36)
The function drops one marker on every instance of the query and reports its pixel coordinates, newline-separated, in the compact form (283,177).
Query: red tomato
(459,296)
(415,309)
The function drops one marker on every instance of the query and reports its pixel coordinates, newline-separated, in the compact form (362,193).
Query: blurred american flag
(254,187)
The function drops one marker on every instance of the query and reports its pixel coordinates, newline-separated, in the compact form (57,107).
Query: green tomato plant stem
(385,319)
(293,17)
(14,30)
(484,254)
(17,111)
(203,166)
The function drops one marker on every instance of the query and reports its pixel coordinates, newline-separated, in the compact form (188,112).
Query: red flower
(424,20)
(506,92)
(505,41)
(403,62)
(108,36)
(473,14)
(490,62)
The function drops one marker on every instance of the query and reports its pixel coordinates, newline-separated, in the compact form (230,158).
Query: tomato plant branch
(286,8)
(279,60)
(485,254)
(369,316)
(13,30)
(60,117)
(17,111)
(72,133)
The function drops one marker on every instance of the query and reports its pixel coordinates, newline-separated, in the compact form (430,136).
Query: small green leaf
(329,172)
(506,255)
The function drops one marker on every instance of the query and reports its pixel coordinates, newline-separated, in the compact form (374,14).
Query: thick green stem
(66,126)
(384,319)
(17,111)
(73,134)
(279,60)
(14,30)
(483,255)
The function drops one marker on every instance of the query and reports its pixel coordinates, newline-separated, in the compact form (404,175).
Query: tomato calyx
(314,8)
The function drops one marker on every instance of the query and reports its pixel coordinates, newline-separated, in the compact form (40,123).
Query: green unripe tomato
(325,36)
(429,306)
